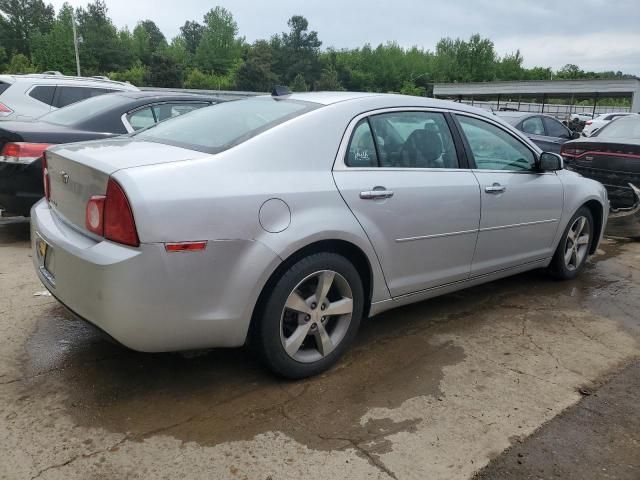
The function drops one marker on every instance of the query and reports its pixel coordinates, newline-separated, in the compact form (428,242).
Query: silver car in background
(282,221)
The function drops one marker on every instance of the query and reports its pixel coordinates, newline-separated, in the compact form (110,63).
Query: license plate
(46,260)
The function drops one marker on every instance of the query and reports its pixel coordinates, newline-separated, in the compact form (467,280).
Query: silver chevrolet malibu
(282,221)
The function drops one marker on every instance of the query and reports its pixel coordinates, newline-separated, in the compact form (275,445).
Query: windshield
(80,112)
(219,127)
(623,127)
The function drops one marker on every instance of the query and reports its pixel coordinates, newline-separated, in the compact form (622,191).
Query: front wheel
(310,316)
(572,252)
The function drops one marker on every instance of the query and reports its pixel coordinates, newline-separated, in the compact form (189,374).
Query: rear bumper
(625,222)
(150,300)
(20,186)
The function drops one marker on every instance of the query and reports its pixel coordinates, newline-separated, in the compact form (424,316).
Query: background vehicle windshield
(624,127)
(80,112)
(219,127)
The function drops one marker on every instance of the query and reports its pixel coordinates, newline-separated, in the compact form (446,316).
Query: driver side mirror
(551,162)
(575,135)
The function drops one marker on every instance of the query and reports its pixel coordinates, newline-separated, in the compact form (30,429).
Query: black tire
(559,267)
(267,339)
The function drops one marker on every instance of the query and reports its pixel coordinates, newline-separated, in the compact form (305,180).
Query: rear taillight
(588,122)
(119,225)
(22,152)
(110,216)
(573,152)
(45,177)
(4,110)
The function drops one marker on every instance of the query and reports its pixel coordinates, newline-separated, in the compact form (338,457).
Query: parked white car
(580,117)
(24,97)
(592,126)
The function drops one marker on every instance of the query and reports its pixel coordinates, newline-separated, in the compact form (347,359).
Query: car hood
(111,155)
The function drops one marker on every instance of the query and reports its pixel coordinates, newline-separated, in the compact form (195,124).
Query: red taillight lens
(94,215)
(45,177)
(588,122)
(119,225)
(4,110)
(23,152)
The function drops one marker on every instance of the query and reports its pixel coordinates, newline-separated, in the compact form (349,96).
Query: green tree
(192,33)
(136,74)
(19,63)
(571,72)
(219,48)
(255,73)
(164,71)
(329,81)
(101,49)
(298,84)
(54,50)
(147,40)
(297,52)
(21,20)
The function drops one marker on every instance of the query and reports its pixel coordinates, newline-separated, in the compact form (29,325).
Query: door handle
(495,188)
(376,194)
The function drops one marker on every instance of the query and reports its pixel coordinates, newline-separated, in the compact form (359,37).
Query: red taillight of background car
(110,216)
(119,225)
(23,152)
(4,110)
(45,177)
(588,122)
(94,215)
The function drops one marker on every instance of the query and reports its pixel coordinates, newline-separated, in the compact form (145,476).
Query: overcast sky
(594,34)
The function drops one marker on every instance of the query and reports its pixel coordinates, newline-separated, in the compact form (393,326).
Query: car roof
(61,79)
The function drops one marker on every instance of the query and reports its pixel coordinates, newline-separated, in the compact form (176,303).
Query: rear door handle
(376,194)
(495,188)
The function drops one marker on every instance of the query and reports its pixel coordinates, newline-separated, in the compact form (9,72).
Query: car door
(521,206)
(557,134)
(408,185)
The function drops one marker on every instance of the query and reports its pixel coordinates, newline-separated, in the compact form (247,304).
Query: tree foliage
(211,54)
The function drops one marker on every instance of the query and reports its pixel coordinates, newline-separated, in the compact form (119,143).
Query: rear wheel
(310,316)
(572,252)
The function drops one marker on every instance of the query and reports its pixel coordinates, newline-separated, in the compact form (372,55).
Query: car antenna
(280,91)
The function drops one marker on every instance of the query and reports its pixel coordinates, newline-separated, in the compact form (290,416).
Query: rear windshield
(219,127)
(84,110)
(623,127)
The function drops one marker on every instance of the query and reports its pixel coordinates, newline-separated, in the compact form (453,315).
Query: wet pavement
(432,390)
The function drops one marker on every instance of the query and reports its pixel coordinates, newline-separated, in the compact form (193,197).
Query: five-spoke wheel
(573,249)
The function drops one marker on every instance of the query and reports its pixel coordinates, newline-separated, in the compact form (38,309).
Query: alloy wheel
(316,316)
(577,243)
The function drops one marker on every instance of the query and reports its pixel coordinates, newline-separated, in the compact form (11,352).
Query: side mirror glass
(551,162)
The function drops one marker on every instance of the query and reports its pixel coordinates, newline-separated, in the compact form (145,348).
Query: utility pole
(75,41)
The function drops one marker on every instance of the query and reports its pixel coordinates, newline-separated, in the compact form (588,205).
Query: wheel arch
(597,212)
(349,250)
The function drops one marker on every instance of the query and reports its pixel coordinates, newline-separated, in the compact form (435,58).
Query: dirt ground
(431,391)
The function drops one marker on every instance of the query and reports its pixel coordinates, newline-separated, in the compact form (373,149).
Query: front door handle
(495,188)
(376,194)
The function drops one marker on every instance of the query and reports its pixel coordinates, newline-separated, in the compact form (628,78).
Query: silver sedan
(283,221)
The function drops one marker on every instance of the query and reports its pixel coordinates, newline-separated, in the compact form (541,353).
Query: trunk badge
(65,176)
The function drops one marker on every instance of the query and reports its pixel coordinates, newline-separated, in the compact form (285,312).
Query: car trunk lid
(79,171)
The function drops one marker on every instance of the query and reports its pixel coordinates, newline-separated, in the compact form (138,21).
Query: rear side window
(68,95)
(362,150)
(43,93)
(3,87)
(414,140)
(222,126)
(141,118)
(533,126)
(169,110)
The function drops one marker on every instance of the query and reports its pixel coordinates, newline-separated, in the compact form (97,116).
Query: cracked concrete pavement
(433,390)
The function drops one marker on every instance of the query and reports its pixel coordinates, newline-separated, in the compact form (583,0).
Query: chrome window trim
(340,165)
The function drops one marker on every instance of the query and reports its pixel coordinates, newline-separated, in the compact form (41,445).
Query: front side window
(414,140)
(362,150)
(533,126)
(556,129)
(495,149)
